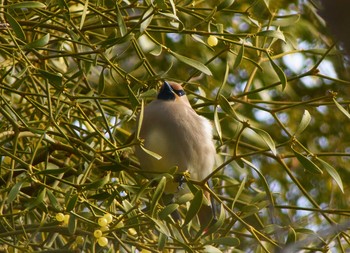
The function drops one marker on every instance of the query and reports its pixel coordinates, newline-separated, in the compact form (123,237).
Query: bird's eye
(179,92)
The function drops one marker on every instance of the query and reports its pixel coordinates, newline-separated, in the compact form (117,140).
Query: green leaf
(72,202)
(140,120)
(239,57)
(185,198)
(226,241)
(101,83)
(279,72)
(161,227)
(305,120)
(133,99)
(98,183)
(53,200)
(199,39)
(36,200)
(307,164)
(54,79)
(266,138)
(162,239)
(226,107)
(121,23)
(14,192)
(157,195)
(147,16)
(240,190)
(72,224)
(174,20)
(332,172)
(345,112)
(263,179)
(219,223)
(15,27)
(195,205)
(161,4)
(83,15)
(193,63)
(151,153)
(217,123)
(51,171)
(273,34)
(287,20)
(27,5)
(211,249)
(169,209)
(225,4)
(292,236)
(43,41)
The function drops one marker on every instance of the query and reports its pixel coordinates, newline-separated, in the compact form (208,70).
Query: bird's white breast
(182,137)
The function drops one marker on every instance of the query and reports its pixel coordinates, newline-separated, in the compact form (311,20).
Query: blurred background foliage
(73,75)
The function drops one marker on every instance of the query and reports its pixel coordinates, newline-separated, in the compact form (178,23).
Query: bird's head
(171,91)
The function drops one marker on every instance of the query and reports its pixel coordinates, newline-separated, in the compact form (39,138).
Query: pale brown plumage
(172,129)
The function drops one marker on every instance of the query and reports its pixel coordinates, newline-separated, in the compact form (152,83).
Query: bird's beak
(166,92)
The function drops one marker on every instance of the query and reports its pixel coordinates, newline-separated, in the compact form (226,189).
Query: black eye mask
(167,92)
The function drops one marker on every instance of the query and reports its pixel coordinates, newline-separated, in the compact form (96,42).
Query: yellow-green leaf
(27,5)
(121,23)
(279,72)
(71,202)
(132,97)
(211,249)
(72,224)
(273,34)
(219,223)
(157,195)
(15,27)
(307,163)
(195,205)
(345,112)
(266,138)
(169,209)
(226,107)
(305,120)
(226,241)
(224,4)
(239,57)
(292,236)
(287,20)
(146,19)
(43,41)
(193,63)
(239,191)
(151,153)
(217,123)
(14,192)
(332,172)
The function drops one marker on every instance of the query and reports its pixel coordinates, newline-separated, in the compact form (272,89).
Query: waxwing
(172,129)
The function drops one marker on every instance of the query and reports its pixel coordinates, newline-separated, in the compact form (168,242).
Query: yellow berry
(108,217)
(102,241)
(66,219)
(79,239)
(132,231)
(103,229)
(102,222)
(59,217)
(212,41)
(97,233)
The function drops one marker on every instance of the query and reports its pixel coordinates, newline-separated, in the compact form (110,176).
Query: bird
(172,129)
